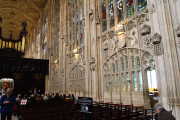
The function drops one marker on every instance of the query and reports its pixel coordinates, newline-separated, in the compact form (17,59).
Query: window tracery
(77,80)
(125,72)
(141,5)
(130,6)
(123,8)
(75,44)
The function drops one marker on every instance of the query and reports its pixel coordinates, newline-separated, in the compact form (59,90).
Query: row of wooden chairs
(70,111)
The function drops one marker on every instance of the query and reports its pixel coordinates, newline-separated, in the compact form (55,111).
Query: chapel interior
(119,53)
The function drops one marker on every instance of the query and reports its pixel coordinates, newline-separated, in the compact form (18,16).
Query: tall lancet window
(111,12)
(142,4)
(130,7)
(104,16)
(120,10)
(152,81)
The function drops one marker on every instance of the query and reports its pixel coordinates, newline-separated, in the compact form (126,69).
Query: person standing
(162,114)
(7,102)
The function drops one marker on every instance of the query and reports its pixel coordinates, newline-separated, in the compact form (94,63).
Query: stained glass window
(140,81)
(130,7)
(104,21)
(134,78)
(120,10)
(141,4)
(152,81)
(128,80)
(111,12)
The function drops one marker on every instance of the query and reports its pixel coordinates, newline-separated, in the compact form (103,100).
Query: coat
(164,115)
(7,107)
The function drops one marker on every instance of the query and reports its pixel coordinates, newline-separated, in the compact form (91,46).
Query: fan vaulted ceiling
(14,12)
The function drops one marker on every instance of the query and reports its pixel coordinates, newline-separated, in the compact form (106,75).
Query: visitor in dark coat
(7,102)
(162,113)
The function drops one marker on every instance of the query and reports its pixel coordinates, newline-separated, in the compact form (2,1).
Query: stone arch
(76,82)
(123,71)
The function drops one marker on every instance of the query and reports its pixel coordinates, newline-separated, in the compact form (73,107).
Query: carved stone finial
(156,39)
(145,30)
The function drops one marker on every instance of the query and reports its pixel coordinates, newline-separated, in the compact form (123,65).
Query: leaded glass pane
(134,80)
(130,7)
(140,81)
(128,81)
(111,12)
(120,10)
(104,19)
(137,62)
(142,4)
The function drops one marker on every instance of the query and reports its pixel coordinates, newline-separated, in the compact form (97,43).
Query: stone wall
(89,41)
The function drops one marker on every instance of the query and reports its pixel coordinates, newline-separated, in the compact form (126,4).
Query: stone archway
(76,83)
(124,76)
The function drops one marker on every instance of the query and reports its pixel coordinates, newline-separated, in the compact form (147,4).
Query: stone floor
(14,118)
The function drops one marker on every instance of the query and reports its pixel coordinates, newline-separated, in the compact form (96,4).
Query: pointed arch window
(103,15)
(134,78)
(130,6)
(120,10)
(142,4)
(111,12)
